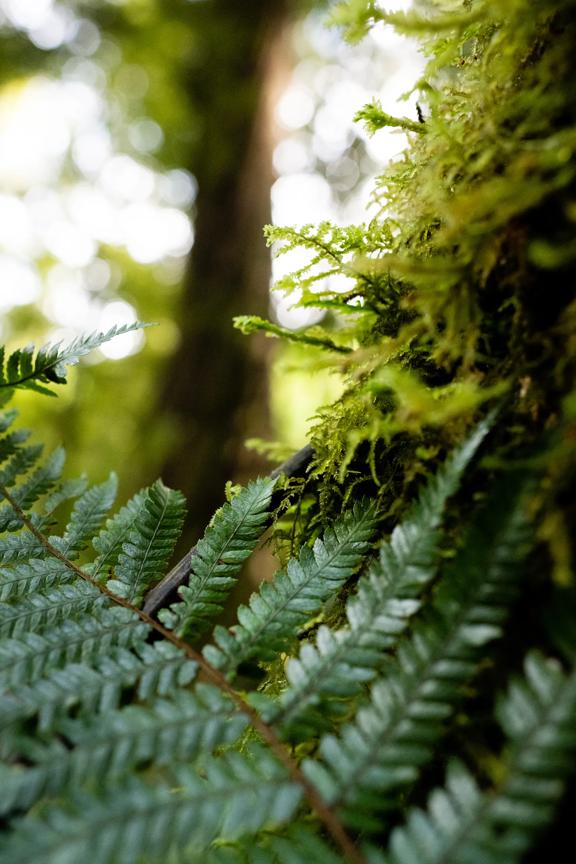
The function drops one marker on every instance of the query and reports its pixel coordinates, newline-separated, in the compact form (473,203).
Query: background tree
(216,387)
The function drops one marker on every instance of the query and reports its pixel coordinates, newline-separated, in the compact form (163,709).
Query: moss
(461,290)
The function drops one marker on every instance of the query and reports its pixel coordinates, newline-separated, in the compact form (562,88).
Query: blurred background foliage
(143,146)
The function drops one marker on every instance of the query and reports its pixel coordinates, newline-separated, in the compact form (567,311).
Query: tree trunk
(216,390)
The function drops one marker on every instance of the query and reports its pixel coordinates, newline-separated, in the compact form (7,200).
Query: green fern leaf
(180,729)
(87,516)
(19,464)
(34,576)
(152,669)
(238,794)
(24,370)
(270,623)
(498,827)
(388,594)
(73,639)
(20,547)
(6,417)
(10,444)
(218,558)
(37,611)
(37,484)
(380,752)
(150,543)
(110,541)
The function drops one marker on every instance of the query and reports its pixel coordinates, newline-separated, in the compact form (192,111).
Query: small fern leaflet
(25,370)
(217,558)
(179,729)
(156,528)
(87,516)
(271,620)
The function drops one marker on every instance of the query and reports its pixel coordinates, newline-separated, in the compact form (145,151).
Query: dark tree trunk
(216,390)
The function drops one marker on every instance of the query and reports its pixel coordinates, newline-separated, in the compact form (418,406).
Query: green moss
(460,290)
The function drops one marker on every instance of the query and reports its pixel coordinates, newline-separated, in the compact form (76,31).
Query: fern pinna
(121,742)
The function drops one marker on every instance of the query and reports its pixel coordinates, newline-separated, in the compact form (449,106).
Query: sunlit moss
(460,288)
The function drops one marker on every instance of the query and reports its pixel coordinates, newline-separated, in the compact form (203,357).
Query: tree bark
(216,384)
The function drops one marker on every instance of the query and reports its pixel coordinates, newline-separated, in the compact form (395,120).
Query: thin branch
(210,673)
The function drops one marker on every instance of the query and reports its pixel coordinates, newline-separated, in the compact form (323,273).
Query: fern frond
(21,462)
(499,826)
(152,669)
(111,539)
(271,620)
(24,369)
(75,639)
(37,484)
(150,543)
(64,492)
(34,576)
(21,547)
(380,752)
(180,729)
(87,516)
(39,611)
(238,795)
(307,336)
(214,567)
(388,595)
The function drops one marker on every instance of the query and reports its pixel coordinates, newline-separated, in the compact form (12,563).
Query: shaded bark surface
(216,386)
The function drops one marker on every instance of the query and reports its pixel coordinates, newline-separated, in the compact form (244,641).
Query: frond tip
(23,369)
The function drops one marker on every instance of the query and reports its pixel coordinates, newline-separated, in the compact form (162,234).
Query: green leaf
(217,559)
(271,621)
(38,611)
(150,543)
(35,576)
(340,662)
(179,729)
(379,753)
(87,516)
(37,484)
(253,324)
(24,370)
(152,669)
(238,794)
(110,541)
(68,637)
(499,826)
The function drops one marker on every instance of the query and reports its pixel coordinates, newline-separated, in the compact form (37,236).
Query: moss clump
(461,289)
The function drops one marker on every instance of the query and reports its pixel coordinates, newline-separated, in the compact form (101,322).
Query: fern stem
(268,734)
